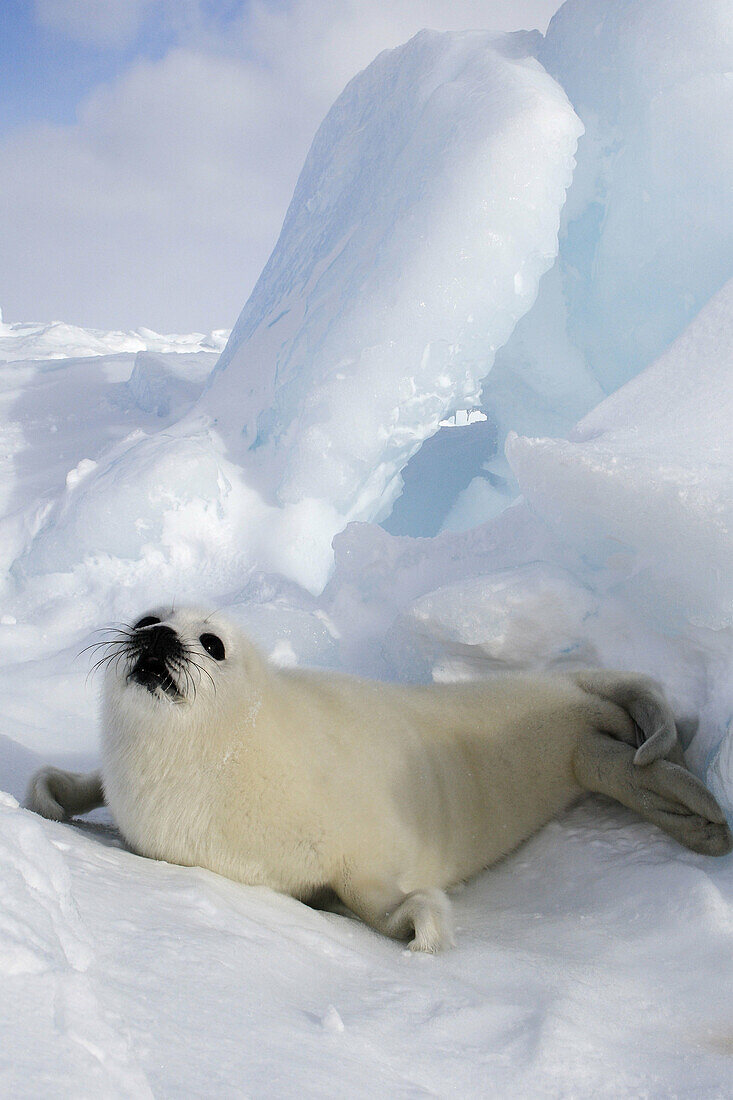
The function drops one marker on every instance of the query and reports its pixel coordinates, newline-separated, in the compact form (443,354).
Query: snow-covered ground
(441,234)
(592,963)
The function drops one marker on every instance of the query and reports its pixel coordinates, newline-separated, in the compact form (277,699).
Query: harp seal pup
(386,794)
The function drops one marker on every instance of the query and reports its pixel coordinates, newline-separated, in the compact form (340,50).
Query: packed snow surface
(135,470)
(583,969)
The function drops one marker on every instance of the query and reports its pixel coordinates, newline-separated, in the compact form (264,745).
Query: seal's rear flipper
(643,699)
(664,793)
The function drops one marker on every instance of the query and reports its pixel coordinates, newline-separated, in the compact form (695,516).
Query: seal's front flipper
(59,795)
(662,792)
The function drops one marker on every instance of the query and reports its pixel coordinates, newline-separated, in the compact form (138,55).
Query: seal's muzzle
(159,653)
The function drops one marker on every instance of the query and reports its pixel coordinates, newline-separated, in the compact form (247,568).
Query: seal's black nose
(158,652)
(159,640)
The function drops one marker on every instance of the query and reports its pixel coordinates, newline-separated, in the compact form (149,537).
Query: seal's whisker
(189,664)
(175,663)
(205,672)
(117,658)
(104,661)
(182,666)
(101,645)
(101,663)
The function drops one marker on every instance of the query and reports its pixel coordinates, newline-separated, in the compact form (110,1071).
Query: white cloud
(105,23)
(114,24)
(161,204)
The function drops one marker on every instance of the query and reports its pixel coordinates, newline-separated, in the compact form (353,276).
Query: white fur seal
(386,794)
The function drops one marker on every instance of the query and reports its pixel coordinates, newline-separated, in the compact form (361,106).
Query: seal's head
(174,656)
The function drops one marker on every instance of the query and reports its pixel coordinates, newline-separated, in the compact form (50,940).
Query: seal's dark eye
(213,646)
(149,620)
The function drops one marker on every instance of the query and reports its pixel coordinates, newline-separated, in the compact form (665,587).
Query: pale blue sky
(44,72)
(149,148)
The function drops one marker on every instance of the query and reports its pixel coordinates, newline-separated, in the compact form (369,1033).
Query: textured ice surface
(426,212)
(646,235)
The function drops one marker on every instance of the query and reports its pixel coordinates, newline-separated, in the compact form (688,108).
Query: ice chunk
(426,212)
(168,385)
(377,576)
(648,235)
(516,618)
